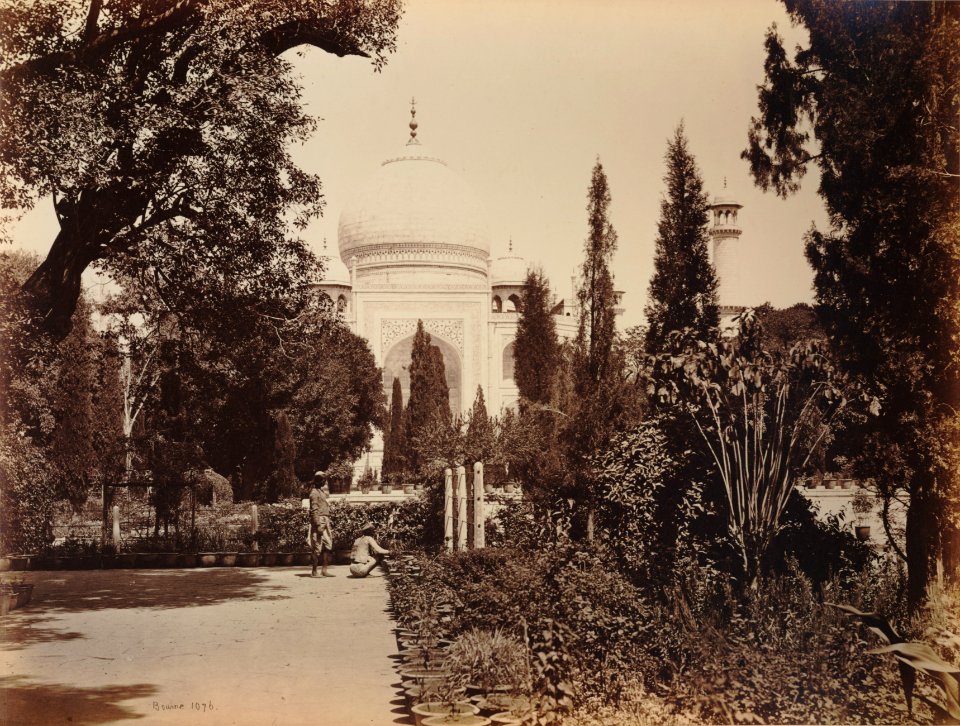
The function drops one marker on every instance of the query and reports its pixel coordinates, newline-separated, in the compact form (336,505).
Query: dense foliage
(875,89)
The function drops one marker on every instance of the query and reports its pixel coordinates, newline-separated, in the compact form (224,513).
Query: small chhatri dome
(413,208)
(509,270)
(725,198)
(334,271)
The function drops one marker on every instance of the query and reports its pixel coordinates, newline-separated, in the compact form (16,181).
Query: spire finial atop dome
(413,122)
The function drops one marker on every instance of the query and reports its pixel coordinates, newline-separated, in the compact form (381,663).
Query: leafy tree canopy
(161,129)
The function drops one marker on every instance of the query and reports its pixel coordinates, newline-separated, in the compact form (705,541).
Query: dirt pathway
(200,646)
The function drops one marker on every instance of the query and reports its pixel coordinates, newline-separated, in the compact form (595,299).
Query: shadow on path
(25,629)
(24,702)
(108,589)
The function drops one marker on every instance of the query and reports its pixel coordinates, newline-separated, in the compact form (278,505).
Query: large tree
(162,129)
(683,291)
(876,88)
(536,350)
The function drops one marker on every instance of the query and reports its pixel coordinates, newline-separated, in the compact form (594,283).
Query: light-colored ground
(200,646)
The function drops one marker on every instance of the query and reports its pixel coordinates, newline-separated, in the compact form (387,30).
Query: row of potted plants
(152,560)
(478,678)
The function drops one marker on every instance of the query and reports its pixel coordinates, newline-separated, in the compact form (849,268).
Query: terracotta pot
(863,532)
(109,562)
(456,719)
(227,559)
(206,559)
(423,711)
(829,483)
(497,702)
(846,483)
(127,559)
(187,559)
(302,558)
(508,488)
(507,718)
(6,564)
(386,488)
(248,559)
(408,488)
(284,559)
(268,559)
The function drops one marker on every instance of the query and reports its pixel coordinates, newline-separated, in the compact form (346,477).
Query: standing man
(321,536)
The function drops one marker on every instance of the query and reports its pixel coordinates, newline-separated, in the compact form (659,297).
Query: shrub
(26,496)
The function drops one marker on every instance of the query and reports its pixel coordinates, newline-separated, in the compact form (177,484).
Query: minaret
(725,233)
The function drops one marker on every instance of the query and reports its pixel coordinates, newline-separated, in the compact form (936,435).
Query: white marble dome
(335,272)
(413,207)
(509,270)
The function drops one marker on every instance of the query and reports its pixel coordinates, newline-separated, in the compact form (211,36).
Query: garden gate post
(461,509)
(478,514)
(116,526)
(254,526)
(448,509)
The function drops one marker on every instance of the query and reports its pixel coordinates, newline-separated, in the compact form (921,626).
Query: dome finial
(413,122)
(511,245)
(724,182)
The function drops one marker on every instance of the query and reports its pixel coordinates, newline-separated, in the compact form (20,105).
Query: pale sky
(521,96)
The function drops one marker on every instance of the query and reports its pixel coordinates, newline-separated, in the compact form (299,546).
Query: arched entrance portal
(397,364)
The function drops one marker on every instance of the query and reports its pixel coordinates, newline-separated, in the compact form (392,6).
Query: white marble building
(413,246)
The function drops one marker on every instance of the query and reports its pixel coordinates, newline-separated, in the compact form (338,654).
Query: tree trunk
(921,540)
(52,291)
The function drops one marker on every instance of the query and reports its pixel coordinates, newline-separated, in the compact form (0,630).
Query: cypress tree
(481,438)
(536,349)
(596,295)
(429,404)
(683,290)
(71,444)
(595,368)
(395,439)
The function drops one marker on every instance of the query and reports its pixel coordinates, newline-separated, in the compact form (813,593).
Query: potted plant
(448,705)
(862,505)
(490,661)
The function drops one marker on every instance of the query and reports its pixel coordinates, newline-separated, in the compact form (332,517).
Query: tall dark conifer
(395,437)
(683,291)
(429,404)
(71,443)
(536,351)
(596,369)
(481,438)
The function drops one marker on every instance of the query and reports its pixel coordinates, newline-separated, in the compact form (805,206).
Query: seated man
(366,552)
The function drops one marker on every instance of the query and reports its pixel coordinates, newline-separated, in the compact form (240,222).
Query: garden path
(200,646)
